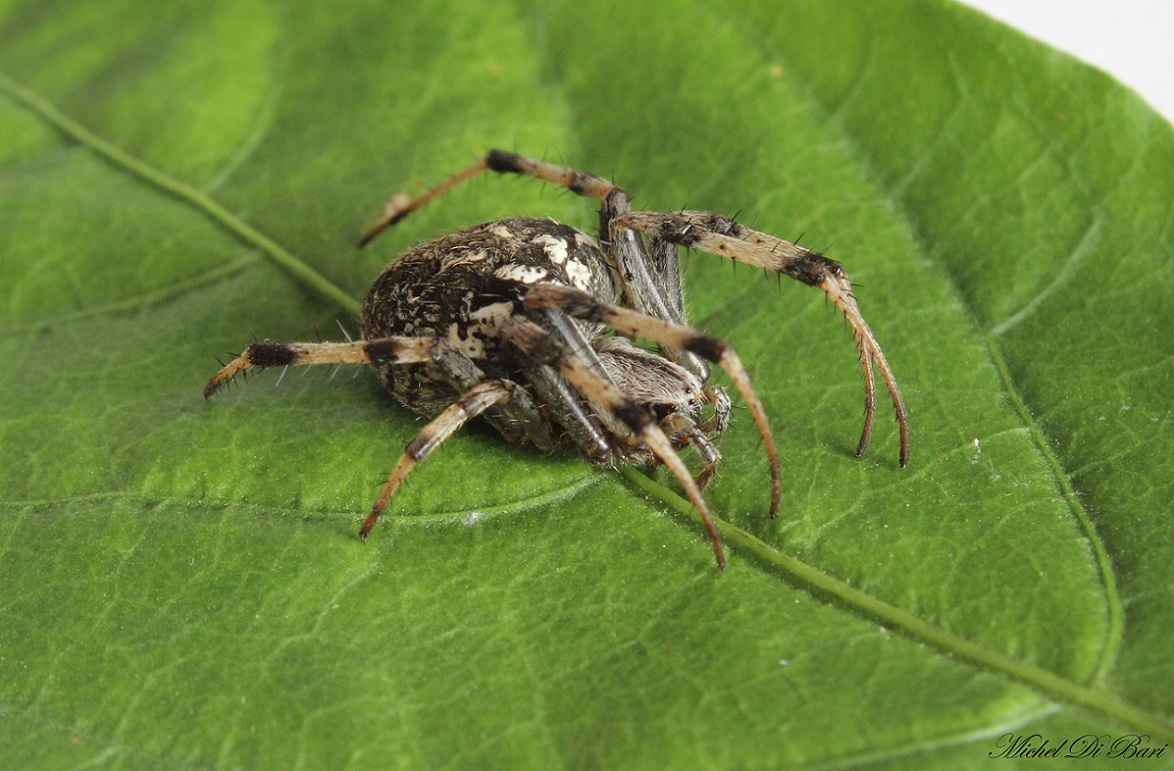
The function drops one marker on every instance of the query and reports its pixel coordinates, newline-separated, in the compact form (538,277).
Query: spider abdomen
(462,287)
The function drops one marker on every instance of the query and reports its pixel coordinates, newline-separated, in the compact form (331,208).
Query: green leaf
(180,581)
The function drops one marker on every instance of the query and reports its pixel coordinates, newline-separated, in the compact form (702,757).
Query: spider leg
(517,418)
(405,350)
(581,182)
(579,304)
(723,236)
(475,401)
(545,348)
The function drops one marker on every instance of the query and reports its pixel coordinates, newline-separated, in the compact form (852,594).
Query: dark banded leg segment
(582,305)
(543,347)
(475,401)
(405,350)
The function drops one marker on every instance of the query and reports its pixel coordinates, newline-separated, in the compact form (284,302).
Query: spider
(528,323)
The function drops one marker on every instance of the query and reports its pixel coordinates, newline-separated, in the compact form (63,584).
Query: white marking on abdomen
(526,274)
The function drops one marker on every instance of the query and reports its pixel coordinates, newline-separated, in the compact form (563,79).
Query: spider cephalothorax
(526,323)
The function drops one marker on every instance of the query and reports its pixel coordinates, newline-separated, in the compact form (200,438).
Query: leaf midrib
(823,586)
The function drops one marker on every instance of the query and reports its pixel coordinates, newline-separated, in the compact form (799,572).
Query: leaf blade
(241,513)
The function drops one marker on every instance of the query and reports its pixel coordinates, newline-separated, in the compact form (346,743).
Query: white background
(1133,40)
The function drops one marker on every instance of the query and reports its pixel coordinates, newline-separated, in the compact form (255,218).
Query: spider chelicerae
(528,323)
